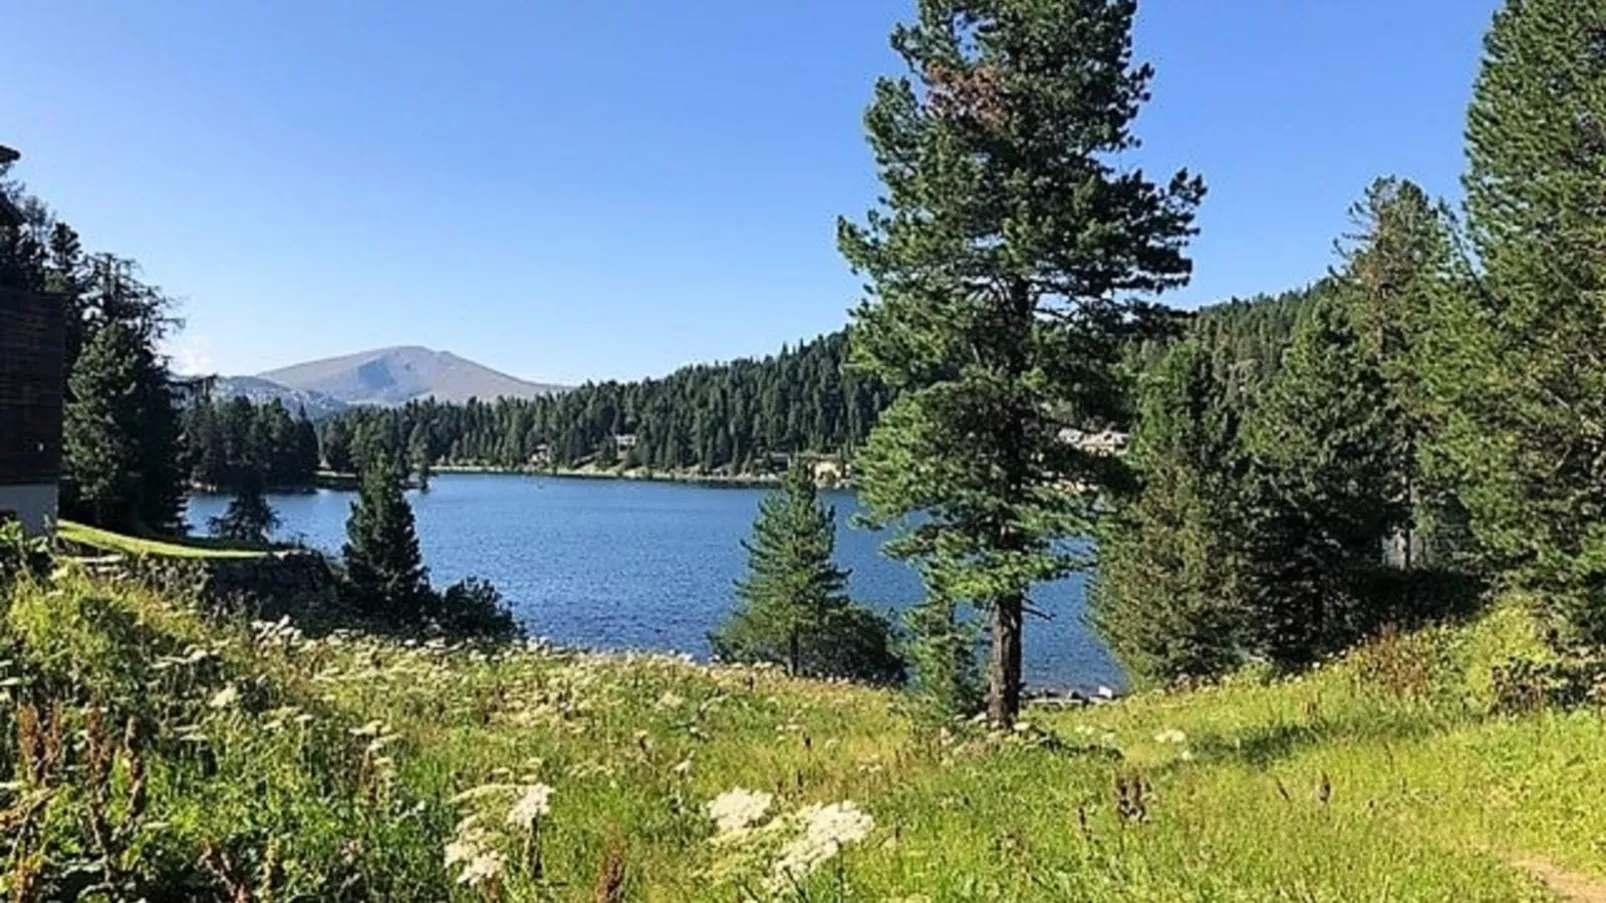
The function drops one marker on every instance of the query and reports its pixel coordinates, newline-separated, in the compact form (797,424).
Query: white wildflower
(670,700)
(474,793)
(483,869)
(736,809)
(826,830)
(460,850)
(1171,735)
(536,802)
(683,768)
(224,698)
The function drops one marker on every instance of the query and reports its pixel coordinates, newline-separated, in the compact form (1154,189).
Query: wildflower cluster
(785,850)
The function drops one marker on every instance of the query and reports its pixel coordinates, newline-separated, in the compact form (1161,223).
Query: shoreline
(743,481)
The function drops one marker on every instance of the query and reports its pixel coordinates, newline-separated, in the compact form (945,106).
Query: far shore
(640,474)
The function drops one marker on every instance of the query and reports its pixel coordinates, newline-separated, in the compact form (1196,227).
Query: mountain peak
(399,374)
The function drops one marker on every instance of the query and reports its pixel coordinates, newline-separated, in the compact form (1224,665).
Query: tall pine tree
(1398,276)
(1521,368)
(1002,268)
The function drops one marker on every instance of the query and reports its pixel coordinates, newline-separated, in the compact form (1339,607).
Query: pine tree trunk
(1003,678)
(792,652)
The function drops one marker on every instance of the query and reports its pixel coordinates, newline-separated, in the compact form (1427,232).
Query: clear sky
(576,190)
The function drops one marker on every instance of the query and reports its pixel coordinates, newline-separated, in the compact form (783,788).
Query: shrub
(475,608)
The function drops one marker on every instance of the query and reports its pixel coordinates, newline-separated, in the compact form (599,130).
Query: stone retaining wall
(298,584)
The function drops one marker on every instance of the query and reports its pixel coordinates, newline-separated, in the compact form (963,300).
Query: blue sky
(569,190)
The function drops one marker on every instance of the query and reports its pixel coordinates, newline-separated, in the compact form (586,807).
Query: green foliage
(20,557)
(1171,594)
(249,518)
(419,454)
(473,607)
(942,650)
(147,754)
(794,609)
(1000,268)
(1326,494)
(734,418)
(121,434)
(149,757)
(1291,502)
(232,442)
(336,446)
(385,576)
(1516,365)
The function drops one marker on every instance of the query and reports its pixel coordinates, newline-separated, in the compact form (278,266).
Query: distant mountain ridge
(384,377)
(262,391)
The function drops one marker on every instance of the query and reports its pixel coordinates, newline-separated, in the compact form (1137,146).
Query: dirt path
(1570,886)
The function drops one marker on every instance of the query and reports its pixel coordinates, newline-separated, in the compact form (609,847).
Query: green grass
(171,547)
(307,766)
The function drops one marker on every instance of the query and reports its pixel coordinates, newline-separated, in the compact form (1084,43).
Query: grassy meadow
(150,753)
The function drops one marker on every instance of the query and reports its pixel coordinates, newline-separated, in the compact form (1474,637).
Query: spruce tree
(385,573)
(1520,369)
(1002,269)
(1326,493)
(101,427)
(121,434)
(337,447)
(306,449)
(1171,596)
(794,608)
(942,651)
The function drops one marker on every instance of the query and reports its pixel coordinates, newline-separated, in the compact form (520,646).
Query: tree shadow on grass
(1264,745)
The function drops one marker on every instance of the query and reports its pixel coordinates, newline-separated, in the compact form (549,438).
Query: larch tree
(1523,371)
(1005,265)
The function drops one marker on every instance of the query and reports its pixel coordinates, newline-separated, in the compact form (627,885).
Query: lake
(618,564)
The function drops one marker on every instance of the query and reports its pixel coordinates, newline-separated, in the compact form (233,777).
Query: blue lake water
(615,564)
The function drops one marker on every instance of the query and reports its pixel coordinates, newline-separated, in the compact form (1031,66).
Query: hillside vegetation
(148,752)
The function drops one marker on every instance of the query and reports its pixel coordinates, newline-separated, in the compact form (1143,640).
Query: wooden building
(32,390)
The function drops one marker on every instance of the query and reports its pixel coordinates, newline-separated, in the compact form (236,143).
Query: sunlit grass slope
(171,547)
(266,763)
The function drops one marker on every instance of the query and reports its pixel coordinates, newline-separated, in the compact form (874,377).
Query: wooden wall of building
(32,387)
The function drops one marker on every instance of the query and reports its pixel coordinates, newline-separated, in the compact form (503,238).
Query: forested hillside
(711,417)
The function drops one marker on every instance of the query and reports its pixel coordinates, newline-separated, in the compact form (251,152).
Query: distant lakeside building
(33,351)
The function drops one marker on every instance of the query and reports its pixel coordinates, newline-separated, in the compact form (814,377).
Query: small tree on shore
(249,518)
(794,606)
(385,573)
